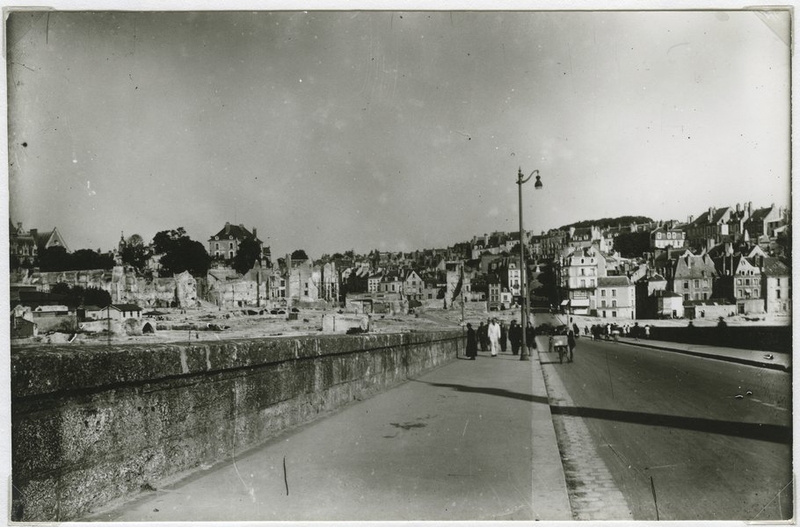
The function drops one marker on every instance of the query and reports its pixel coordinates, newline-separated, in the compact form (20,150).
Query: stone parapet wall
(94,425)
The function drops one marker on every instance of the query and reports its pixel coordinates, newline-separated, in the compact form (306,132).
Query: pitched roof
(613,281)
(238,232)
(775,267)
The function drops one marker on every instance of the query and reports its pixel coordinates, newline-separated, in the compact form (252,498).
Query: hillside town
(724,262)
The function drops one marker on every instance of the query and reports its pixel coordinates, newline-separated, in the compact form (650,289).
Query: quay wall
(94,425)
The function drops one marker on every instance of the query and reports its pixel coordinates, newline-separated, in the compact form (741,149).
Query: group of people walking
(494,336)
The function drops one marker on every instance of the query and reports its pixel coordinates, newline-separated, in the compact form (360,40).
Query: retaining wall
(96,424)
(765,338)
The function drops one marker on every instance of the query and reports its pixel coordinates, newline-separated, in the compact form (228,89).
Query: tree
(180,253)
(632,244)
(86,259)
(299,254)
(247,255)
(79,296)
(134,253)
(54,259)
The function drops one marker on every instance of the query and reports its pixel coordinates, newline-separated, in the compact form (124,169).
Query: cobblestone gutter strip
(592,492)
(738,360)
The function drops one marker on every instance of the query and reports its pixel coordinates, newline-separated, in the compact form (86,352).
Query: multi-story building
(578,274)
(739,281)
(776,281)
(692,277)
(663,237)
(225,244)
(615,297)
(763,222)
(25,246)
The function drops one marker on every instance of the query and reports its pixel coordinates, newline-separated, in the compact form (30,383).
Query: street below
(684,438)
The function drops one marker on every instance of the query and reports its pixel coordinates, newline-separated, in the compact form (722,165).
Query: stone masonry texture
(92,425)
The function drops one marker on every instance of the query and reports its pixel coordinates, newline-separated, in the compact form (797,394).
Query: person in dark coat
(515,336)
(530,339)
(503,336)
(483,336)
(571,342)
(472,342)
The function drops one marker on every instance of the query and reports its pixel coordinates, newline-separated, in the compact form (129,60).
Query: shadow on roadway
(489,391)
(763,432)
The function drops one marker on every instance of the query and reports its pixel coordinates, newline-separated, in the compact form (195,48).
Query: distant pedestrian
(482,340)
(503,336)
(472,342)
(571,343)
(647,331)
(530,339)
(585,331)
(493,333)
(576,331)
(515,336)
(636,330)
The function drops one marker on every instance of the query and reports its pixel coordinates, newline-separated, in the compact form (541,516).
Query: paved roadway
(684,438)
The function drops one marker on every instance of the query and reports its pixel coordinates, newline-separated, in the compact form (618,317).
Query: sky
(391,130)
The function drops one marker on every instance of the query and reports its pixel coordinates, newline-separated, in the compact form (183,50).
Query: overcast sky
(330,131)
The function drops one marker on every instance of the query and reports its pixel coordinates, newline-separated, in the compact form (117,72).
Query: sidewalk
(763,359)
(471,440)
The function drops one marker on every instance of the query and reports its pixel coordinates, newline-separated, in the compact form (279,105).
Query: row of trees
(176,251)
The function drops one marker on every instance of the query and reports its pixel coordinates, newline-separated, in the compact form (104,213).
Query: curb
(747,362)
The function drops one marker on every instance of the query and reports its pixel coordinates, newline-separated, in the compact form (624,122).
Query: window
(602,292)
(778,294)
(686,297)
(614,304)
(613,292)
(583,283)
(583,271)
(747,281)
(697,283)
(705,296)
(738,281)
(686,285)
(602,303)
(778,281)
(614,314)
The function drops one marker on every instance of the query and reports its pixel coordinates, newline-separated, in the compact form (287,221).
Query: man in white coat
(494,336)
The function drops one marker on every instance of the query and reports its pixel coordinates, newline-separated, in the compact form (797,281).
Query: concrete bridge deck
(472,440)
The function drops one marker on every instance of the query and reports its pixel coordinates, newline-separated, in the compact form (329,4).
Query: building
(776,281)
(578,275)
(739,281)
(25,246)
(615,297)
(663,237)
(764,222)
(692,277)
(225,244)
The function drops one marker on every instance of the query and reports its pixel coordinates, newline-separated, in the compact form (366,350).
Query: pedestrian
(571,342)
(586,331)
(472,342)
(530,338)
(636,330)
(576,330)
(482,340)
(503,336)
(647,331)
(515,336)
(493,332)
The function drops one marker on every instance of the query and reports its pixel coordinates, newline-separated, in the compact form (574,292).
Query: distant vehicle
(273,312)
(295,310)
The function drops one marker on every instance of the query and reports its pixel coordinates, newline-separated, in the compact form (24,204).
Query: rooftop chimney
(227,227)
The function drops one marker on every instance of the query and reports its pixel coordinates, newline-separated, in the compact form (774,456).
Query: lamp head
(538,183)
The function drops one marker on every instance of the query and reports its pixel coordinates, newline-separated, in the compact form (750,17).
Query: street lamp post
(523,355)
